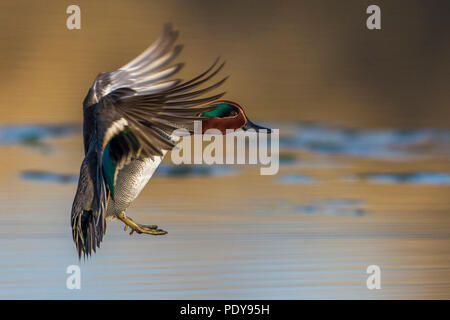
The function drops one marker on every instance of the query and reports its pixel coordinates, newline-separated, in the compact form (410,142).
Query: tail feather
(87,218)
(87,235)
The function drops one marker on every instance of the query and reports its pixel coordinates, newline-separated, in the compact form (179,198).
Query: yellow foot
(140,228)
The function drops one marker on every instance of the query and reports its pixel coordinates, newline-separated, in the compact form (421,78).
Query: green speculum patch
(223,110)
(109,168)
(114,151)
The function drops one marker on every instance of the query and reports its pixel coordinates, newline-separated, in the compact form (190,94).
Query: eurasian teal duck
(129,118)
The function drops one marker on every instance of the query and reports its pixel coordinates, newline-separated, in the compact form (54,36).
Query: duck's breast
(131,179)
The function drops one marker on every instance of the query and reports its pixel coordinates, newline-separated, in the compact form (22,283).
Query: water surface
(232,233)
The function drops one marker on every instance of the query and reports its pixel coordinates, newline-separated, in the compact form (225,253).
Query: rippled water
(309,232)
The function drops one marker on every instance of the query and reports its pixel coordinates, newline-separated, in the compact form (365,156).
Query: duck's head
(228,115)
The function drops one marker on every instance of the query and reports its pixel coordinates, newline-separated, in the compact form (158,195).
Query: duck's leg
(139,228)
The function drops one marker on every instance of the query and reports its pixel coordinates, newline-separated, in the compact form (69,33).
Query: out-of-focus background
(298,60)
(364,120)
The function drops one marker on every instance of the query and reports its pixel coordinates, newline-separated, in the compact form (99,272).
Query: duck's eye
(233,113)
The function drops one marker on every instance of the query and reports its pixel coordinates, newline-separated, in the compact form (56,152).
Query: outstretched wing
(129,125)
(137,112)
(144,74)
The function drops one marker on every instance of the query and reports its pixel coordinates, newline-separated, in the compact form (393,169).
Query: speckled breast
(131,179)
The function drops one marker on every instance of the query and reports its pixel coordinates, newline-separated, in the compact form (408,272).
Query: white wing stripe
(115,127)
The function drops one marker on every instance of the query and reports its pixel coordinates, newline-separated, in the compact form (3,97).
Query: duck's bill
(257,128)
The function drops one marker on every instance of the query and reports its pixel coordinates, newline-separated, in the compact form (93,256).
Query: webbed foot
(140,228)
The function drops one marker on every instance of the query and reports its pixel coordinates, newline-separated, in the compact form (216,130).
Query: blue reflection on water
(32,134)
(332,207)
(381,143)
(430,178)
(52,177)
(295,178)
(163,170)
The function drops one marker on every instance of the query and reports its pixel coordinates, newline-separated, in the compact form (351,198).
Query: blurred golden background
(297,60)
